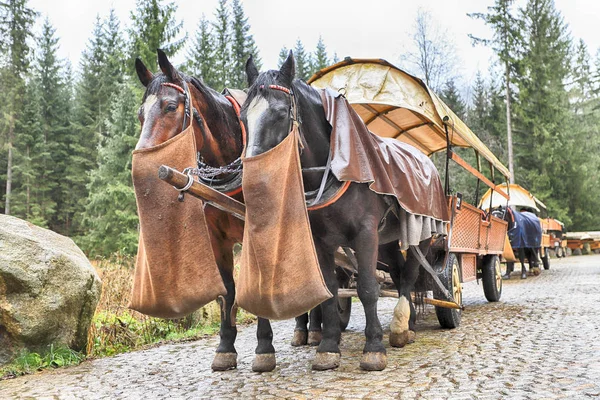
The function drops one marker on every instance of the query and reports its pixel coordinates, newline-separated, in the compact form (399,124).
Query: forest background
(66,133)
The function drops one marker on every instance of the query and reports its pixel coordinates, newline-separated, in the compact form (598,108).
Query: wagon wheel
(450,276)
(546,259)
(492,278)
(344,305)
(559,252)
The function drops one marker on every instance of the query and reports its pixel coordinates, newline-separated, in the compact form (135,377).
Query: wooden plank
(457,159)
(203,192)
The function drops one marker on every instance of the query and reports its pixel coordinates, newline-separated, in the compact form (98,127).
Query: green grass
(28,362)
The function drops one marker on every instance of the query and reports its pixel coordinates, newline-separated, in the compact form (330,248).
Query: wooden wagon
(393,103)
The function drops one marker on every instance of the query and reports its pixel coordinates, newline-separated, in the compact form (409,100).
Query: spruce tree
(283,54)
(505,42)
(321,60)
(154,27)
(110,216)
(544,153)
(242,46)
(222,38)
(303,61)
(201,55)
(16,21)
(452,98)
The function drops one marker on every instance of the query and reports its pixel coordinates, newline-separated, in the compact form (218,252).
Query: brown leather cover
(280,276)
(390,166)
(175,271)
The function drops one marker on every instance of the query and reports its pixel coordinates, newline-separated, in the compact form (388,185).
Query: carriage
(521,198)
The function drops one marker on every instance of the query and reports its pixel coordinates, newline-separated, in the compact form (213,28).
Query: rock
(48,290)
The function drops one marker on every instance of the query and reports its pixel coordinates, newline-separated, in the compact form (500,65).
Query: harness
(330,186)
(226,178)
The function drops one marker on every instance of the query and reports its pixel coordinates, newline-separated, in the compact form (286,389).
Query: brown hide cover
(392,167)
(175,271)
(280,276)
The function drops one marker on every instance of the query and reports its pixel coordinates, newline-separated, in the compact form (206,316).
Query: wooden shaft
(342,293)
(203,192)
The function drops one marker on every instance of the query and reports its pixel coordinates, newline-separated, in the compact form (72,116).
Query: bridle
(225,177)
(312,197)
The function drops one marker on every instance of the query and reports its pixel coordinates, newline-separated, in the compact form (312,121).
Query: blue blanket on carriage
(526,232)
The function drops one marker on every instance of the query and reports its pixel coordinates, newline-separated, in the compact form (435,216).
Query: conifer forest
(67,131)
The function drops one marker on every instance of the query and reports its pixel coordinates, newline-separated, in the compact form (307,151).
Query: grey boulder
(48,290)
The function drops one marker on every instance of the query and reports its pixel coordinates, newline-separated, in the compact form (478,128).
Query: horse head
(163,113)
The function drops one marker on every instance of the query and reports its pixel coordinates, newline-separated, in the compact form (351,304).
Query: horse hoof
(523,276)
(536,271)
(224,361)
(314,338)
(373,361)
(300,338)
(400,339)
(325,361)
(506,277)
(264,362)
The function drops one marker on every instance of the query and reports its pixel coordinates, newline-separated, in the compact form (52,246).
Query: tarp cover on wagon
(395,104)
(519,197)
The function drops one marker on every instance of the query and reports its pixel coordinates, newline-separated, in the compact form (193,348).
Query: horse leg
(510,267)
(226,357)
(315,334)
(264,360)
(328,353)
(300,332)
(534,261)
(374,355)
(522,260)
(402,328)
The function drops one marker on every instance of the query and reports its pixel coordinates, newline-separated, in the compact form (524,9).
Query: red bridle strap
(237,109)
(174,86)
(277,87)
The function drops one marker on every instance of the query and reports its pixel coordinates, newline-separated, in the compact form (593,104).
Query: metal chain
(206,171)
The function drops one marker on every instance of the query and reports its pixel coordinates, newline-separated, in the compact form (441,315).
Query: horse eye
(170,107)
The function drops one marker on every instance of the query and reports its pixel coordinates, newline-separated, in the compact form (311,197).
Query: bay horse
(219,142)
(525,235)
(274,99)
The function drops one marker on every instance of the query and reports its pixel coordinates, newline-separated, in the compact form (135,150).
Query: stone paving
(541,341)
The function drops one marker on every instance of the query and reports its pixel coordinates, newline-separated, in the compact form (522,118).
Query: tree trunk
(508,127)
(11,131)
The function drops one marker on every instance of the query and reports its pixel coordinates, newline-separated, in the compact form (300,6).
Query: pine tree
(321,60)
(16,20)
(303,61)
(201,56)
(242,46)
(110,216)
(154,27)
(222,38)
(506,43)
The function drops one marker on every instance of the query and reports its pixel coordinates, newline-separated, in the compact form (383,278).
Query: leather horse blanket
(390,167)
(527,230)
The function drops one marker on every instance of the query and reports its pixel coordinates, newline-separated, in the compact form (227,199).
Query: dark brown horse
(219,142)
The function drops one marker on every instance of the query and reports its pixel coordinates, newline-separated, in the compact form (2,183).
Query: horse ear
(251,71)
(166,67)
(288,69)
(143,73)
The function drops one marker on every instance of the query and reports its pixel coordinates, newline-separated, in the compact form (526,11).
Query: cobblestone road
(541,341)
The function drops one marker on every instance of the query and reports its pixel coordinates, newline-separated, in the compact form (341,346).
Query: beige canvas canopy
(519,197)
(393,103)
